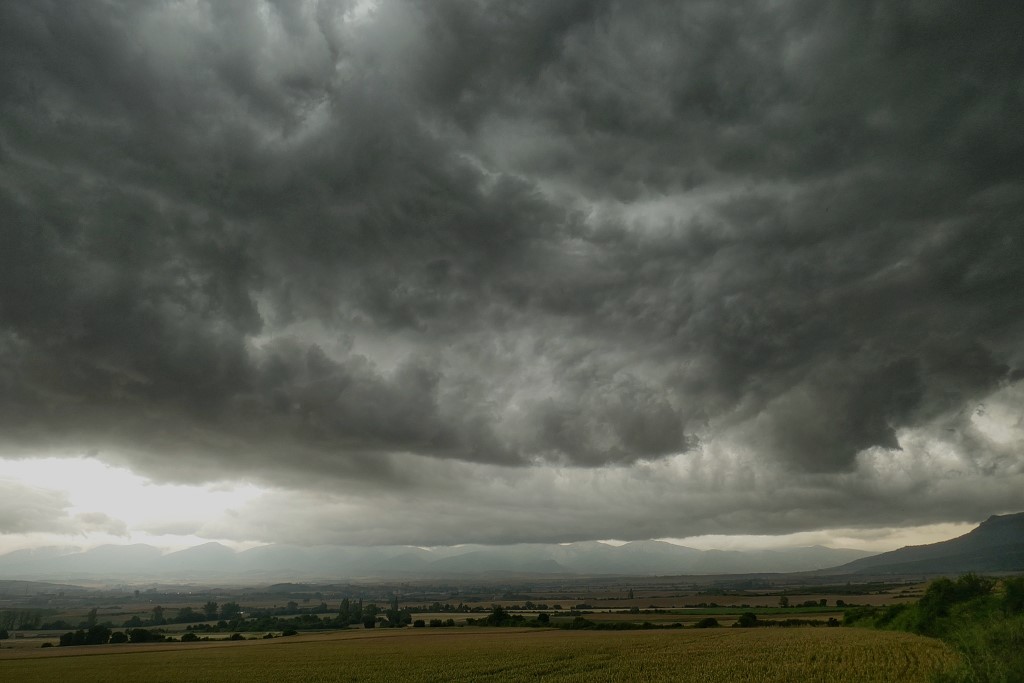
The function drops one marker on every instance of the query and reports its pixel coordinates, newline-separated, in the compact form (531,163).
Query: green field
(470,654)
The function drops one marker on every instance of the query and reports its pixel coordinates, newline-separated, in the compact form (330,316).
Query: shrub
(1013,596)
(581,622)
(746,620)
(992,651)
(141,635)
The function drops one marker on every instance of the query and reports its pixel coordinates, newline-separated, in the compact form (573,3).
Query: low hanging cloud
(336,244)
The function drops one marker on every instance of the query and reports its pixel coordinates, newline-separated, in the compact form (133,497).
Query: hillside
(996,545)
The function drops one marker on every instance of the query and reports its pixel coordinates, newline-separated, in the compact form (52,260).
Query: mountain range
(216,561)
(997,544)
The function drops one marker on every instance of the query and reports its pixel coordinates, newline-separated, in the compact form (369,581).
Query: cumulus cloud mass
(481,271)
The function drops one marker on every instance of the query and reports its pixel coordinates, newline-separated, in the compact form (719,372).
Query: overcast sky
(448,271)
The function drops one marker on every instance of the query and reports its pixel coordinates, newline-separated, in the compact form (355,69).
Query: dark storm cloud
(306,240)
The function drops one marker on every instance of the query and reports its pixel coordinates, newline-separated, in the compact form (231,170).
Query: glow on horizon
(171,516)
(875,540)
(141,507)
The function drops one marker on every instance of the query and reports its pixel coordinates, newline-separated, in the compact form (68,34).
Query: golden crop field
(467,654)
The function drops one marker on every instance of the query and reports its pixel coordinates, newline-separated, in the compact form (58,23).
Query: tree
(118,637)
(97,635)
(4,635)
(543,618)
(497,617)
(783,601)
(394,617)
(158,616)
(90,619)
(344,614)
(210,610)
(746,620)
(943,593)
(369,616)
(187,615)
(141,635)
(230,610)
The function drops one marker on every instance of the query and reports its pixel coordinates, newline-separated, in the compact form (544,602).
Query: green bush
(746,620)
(985,626)
(1013,595)
(991,652)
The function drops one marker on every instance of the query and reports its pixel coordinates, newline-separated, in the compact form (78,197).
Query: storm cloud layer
(635,269)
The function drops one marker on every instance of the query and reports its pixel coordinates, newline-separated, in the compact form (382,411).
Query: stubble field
(468,654)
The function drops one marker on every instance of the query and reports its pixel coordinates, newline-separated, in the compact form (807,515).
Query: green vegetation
(981,618)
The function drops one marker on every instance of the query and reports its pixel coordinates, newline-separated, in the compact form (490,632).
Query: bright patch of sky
(94,489)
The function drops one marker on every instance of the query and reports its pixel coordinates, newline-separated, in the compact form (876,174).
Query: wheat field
(466,654)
